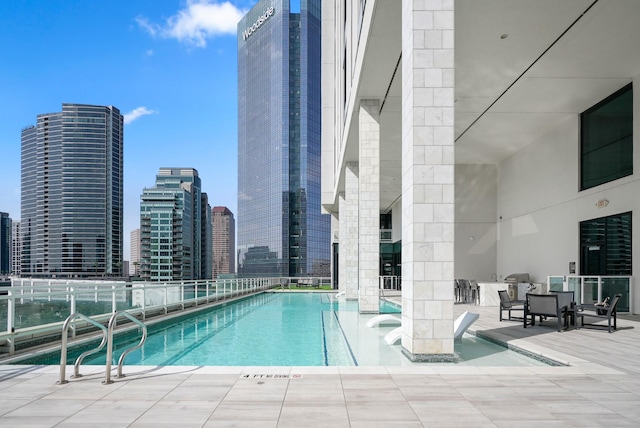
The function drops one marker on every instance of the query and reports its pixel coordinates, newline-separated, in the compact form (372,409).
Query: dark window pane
(606,245)
(607,140)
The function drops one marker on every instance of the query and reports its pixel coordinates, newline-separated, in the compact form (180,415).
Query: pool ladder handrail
(110,328)
(63,346)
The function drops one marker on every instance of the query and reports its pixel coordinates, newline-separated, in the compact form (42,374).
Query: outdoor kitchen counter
(489,292)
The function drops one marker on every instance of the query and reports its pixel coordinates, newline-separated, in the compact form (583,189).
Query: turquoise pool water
(278,329)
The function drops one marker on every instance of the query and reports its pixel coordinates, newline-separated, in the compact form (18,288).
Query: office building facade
(134,256)
(5,244)
(224,241)
(16,248)
(206,237)
(501,144)
(72,193)
(172,228)
(281,229)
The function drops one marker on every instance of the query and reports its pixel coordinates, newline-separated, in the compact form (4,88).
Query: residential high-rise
(5,244)
(172,227)
(16,248)
(134,262)
(224,241)
(281,230)
(72,193)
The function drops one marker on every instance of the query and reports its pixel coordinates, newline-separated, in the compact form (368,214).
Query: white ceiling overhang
(522,67)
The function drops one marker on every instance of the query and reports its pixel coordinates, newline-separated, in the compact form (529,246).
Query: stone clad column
(349,233)
(342,226)
(427,179)
(369,236)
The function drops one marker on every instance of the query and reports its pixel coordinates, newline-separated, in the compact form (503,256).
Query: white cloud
(137,113)
(198,21)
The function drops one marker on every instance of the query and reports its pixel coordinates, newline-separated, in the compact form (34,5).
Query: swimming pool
(279,329)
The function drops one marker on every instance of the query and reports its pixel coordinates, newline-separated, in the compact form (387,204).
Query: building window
(606,245)
(606,140)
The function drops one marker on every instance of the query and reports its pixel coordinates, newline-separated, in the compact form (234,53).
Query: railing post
(182,294)
(599,289)
(166,298)
(144,300)
(114,306)
(11,312)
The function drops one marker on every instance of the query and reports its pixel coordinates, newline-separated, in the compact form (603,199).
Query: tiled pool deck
(600,387)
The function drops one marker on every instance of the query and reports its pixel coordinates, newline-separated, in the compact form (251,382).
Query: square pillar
(342,207)
(427,179)
(348,266)
(369,210)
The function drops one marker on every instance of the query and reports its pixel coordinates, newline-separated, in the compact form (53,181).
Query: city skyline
(169,66)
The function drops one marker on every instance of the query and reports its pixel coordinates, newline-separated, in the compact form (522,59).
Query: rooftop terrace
(599,387)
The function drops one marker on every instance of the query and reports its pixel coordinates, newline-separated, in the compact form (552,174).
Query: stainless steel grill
(512,284)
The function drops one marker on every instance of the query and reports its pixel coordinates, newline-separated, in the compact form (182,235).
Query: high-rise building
(5,244)
(206,237)
(281,230)
(16,248)
(224,241)
(134,262)
(72,193)
(172,227)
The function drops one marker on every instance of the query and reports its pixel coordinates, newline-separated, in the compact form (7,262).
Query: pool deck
(599,387)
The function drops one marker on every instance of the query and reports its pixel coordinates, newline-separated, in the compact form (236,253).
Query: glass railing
(33,303)
(386,235)
(390,282)
(589,289)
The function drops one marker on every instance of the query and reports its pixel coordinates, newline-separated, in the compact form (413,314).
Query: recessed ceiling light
(504,36)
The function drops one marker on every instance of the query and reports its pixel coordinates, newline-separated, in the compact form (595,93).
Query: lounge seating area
(560,305)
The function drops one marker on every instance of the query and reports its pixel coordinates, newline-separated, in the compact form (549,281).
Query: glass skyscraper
(72,193)
(281,230)
(5,244)
(175,228)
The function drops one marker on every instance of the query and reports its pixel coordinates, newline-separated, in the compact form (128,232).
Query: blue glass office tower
(72,193)
(281,230)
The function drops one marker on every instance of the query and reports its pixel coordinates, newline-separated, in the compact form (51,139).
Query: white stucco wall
(539,205)
(475,221)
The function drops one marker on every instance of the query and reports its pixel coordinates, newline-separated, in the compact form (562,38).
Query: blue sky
(170,66)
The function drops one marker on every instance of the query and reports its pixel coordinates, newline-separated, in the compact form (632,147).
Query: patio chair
(543,306)
(601,312)
(465,290)
(457,290)
(506,304)
(475,291)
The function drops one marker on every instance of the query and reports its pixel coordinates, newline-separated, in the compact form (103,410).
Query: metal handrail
(63,346)
(112,324)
